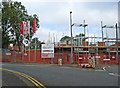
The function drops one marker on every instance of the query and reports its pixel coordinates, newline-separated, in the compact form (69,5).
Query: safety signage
(47,51)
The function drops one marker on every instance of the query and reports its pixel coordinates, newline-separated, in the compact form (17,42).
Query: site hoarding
(47,51)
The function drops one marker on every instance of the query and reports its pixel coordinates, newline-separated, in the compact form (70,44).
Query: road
(53,75)
(10,79)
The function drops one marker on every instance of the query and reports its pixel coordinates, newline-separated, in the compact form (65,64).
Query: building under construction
(107,52)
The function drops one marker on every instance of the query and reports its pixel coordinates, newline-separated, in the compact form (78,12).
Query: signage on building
(8,54)
(47,51)
(97,56)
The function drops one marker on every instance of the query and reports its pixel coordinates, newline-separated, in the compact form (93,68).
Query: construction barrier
(33,56)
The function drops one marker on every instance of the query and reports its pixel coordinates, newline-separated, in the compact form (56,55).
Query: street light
(116,43)
(71,25)
(84,25)
(102,30)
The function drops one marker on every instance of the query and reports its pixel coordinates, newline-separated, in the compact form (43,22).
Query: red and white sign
(34,26)
(23,28)
(106,59)
(113,57)
(80,57)
(47,51)
(50,55)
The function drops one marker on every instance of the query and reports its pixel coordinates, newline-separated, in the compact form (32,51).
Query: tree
(64,38)
(67,38)
(80,35)
(38,43)
(12,14)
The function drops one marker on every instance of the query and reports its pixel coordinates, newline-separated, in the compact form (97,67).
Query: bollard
(60,61)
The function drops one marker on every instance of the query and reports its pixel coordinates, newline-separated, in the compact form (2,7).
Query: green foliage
(35,42)
(80,35)
(65,38)
(12,14)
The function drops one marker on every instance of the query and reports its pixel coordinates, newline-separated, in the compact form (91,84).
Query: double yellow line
(33,80)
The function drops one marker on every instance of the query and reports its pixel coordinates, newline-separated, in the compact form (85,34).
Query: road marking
(99,70)
(34,81)
(83,69)
(65,67)
(111,73)
(28,65)
(104,68)
(114,74)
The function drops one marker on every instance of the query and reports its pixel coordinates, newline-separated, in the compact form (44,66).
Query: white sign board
(80,57)
(8,54)
(47,51)
(97,56)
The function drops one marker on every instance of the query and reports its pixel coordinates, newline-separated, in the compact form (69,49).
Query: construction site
(84,54)
(77,50)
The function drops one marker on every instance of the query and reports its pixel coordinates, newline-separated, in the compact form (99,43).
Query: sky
(54,17)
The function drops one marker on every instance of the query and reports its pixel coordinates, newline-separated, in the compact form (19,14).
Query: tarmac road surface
(52,75)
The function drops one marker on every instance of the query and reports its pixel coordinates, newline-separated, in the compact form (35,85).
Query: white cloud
(54,15)
(47,35)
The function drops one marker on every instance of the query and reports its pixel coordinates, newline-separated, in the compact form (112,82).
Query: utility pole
(35,49)
(102,30)
(84,27)
(118,31)
(71,54)
(119,20)
(116,43)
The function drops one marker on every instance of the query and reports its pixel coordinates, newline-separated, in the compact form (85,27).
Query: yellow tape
(34,81)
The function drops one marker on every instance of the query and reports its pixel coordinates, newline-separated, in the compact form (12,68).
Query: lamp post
(102,30)
(71,25)
(84,25)
(119,31)
(116,43)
